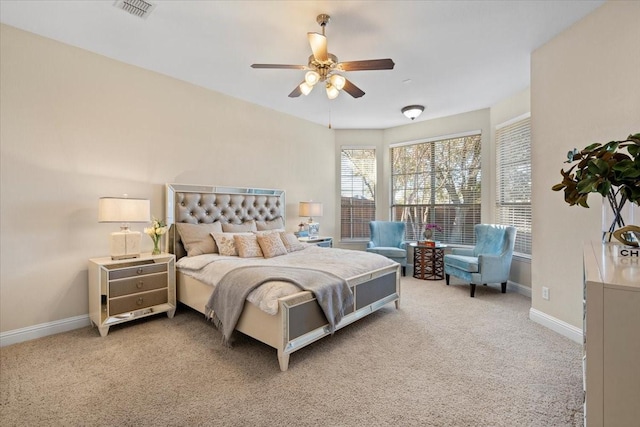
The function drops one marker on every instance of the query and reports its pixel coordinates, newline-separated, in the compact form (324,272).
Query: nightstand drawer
(138,270)
(137,284)
(137,301)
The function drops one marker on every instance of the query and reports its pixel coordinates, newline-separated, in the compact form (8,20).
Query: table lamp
(311,209)
(124,243)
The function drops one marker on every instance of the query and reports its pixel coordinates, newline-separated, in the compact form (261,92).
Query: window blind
(438,182)
(513,179)
(357,191)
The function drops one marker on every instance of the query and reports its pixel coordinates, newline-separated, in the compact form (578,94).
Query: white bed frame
(299,320)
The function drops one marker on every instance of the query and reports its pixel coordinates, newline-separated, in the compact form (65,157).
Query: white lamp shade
(310,209)
(123,210)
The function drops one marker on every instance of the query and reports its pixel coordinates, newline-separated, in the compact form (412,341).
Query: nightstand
(123,290)
(325,242)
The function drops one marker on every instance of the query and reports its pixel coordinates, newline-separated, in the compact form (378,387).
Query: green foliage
(612,170)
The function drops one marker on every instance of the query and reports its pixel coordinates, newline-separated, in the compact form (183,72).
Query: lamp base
(125,244)
(314,229)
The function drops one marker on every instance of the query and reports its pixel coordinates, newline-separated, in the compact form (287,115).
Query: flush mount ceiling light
(413,111)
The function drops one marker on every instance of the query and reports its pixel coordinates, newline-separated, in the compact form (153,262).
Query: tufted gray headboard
(203,204)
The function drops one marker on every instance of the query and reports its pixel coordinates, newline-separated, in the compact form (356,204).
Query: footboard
(304,322)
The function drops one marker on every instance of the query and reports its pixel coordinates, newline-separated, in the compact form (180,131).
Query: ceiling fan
(324,67)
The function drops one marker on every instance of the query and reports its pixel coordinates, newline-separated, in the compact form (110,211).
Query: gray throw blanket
(227,300)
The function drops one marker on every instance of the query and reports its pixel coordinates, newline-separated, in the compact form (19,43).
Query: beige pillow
(226,243)
(247,246)
(239,228)
(271,245)
(291,242)
(270,225)
(197,239)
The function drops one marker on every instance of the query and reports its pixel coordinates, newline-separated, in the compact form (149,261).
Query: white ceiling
(450,56)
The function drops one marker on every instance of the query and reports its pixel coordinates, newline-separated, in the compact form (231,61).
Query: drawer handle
(140,270)
(140,301)
(140,284)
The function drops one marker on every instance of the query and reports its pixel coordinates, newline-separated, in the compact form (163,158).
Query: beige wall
(76,126)
(584,89)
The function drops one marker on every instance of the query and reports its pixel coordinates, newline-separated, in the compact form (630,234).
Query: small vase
(428,234)
(156,246)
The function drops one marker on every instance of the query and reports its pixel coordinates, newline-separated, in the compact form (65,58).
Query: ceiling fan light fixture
(338,81)
(311,78)
(413,111)
(305,88)
(332,91)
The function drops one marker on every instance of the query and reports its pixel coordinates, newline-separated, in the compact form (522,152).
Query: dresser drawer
(138,270)
(137,301)
(137,284)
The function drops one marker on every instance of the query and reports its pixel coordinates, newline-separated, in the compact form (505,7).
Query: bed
(298,319)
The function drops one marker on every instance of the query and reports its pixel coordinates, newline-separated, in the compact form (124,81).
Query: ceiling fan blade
(352,89)
(318,44)
(296,92)
(280,66)
(369,64)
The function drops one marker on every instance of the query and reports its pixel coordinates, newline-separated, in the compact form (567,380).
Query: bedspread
(346,264)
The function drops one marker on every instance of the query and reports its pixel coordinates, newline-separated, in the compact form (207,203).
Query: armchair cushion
(466,263)
(389,252)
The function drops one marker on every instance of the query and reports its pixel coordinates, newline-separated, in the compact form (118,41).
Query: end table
(428,261)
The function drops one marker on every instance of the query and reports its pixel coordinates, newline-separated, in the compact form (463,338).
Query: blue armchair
(387,238)
(488,262)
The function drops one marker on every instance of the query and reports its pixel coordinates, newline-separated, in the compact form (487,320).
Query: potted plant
(613,171)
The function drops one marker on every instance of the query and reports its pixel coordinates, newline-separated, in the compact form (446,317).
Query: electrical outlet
(545,292)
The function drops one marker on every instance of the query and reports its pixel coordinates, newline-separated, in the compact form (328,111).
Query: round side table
(428,261)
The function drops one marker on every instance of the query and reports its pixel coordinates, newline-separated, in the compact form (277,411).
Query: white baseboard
(556,325)
(43,330)
(519,289)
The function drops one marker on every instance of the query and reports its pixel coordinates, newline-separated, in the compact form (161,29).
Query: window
(513,179)
(438,181)
(358,192)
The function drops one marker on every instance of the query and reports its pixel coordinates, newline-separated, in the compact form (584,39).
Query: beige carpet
(443,359)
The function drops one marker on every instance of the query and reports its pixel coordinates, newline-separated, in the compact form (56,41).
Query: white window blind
(358,192)
(513,179)
(438,182)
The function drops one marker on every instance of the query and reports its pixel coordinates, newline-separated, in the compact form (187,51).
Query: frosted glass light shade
(332,91)
(413,111)
(338,81)
(305,88)
(311,78)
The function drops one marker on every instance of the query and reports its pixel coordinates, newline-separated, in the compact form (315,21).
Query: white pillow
(270,225)
(239,228)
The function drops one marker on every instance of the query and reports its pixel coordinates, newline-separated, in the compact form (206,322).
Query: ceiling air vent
(138,8)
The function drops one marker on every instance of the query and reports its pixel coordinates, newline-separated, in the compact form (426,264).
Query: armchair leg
(473,289)
(446,277)
(404,270)
(504,287)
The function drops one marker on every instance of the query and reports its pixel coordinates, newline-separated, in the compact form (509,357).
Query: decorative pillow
(197,239)
(270,225)
(291,242)
(247,246)
(275,230)
(226,243)
(239,228)
(271,245)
